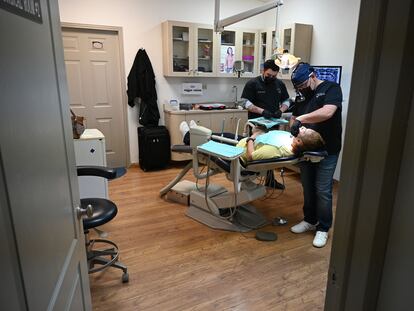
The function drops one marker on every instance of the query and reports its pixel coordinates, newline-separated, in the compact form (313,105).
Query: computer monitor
(329,73)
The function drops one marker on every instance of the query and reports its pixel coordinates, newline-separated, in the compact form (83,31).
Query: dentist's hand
(294,129)
(268,115)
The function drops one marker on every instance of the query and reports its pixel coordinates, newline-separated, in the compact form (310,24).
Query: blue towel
(221,150)
(268,123)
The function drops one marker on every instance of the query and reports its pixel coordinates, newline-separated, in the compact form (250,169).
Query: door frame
(377,122)
(119,32)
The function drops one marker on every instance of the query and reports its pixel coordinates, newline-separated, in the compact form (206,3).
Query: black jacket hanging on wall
(141,84)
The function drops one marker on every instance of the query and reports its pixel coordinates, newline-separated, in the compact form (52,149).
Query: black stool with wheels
(99,211)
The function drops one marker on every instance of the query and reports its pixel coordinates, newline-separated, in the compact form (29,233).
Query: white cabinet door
(205,60)
(228,53)
(91,151)
(249,52)
(178,48)
(201,118)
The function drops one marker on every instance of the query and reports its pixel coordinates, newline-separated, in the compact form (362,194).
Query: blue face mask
(275,138)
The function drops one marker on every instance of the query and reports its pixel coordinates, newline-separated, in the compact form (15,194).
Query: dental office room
(206,155)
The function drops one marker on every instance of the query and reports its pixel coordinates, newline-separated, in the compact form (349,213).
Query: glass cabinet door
(275,43)
(287,39)
(263,50)
(248,52)
(204,51)
(180,49)
(227,51)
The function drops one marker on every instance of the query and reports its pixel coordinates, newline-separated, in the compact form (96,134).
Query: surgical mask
(307,92)
(269,80)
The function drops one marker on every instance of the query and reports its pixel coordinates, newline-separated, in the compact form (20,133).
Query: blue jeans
(317,180)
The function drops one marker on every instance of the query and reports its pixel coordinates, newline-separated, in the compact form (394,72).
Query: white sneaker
(303,226)
(192,123)
(320,239)
(184,128)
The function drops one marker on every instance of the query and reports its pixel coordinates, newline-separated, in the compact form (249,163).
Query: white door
(46,257)
(93,70)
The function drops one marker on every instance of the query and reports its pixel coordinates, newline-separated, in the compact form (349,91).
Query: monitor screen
(329,73)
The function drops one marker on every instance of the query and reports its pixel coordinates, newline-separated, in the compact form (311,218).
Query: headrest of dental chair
(322,153)
(181,148)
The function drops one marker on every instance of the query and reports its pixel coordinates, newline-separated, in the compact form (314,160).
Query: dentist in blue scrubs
(321,110)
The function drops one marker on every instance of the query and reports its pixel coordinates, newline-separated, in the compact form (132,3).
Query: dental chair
(213,205)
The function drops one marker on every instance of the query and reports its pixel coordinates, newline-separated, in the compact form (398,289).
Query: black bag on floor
(154,147)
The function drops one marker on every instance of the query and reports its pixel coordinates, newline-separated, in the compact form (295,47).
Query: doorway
(94,68)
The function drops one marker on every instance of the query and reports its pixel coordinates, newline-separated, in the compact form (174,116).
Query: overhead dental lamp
(220,24)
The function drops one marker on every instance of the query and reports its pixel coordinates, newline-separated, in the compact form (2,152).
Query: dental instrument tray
(212,106)
(221,150)
(268,123)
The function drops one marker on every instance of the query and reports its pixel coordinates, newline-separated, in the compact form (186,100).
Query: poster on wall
(29,9)
(227,58)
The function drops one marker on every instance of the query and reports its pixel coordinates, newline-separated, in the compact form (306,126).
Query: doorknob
(88,211)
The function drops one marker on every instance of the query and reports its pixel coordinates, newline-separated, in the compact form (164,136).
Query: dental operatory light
(220,24)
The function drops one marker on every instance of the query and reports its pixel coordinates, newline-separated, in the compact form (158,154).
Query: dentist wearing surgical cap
(320,110)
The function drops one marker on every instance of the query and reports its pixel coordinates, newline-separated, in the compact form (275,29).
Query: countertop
(194,111)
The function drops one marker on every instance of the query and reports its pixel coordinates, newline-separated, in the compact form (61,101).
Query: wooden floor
(176,263)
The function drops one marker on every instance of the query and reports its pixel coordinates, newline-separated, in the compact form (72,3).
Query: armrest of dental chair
(181,148)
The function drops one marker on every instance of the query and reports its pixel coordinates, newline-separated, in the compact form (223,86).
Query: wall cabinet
(210,119)
(238,45)
(196,50)
(189,49)
(296,38)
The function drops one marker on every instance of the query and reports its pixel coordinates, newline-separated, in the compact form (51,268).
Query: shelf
(205,41)
(179,39)
(180,58)
(228,43)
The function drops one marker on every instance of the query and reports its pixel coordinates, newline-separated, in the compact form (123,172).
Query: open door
(44,244)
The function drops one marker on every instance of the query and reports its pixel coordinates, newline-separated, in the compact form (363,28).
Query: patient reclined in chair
(219,208)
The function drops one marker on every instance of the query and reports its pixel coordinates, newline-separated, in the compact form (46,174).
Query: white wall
(141,23)
(335,25)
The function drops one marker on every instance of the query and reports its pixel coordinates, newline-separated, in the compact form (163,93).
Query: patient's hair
(311,141)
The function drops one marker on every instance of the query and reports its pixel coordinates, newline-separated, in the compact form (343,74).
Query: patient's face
(303,131)
(297,141)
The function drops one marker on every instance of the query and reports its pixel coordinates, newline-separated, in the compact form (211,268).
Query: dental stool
(99,212)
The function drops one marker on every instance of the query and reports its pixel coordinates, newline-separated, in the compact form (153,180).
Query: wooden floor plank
(176,263)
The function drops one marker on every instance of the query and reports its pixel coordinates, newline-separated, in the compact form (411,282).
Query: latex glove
(277,114)
(268,115)
(294,129)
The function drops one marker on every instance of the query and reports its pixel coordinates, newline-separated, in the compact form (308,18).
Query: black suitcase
(154,147)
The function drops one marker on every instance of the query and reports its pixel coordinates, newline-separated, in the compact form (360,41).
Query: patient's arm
(250,150)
